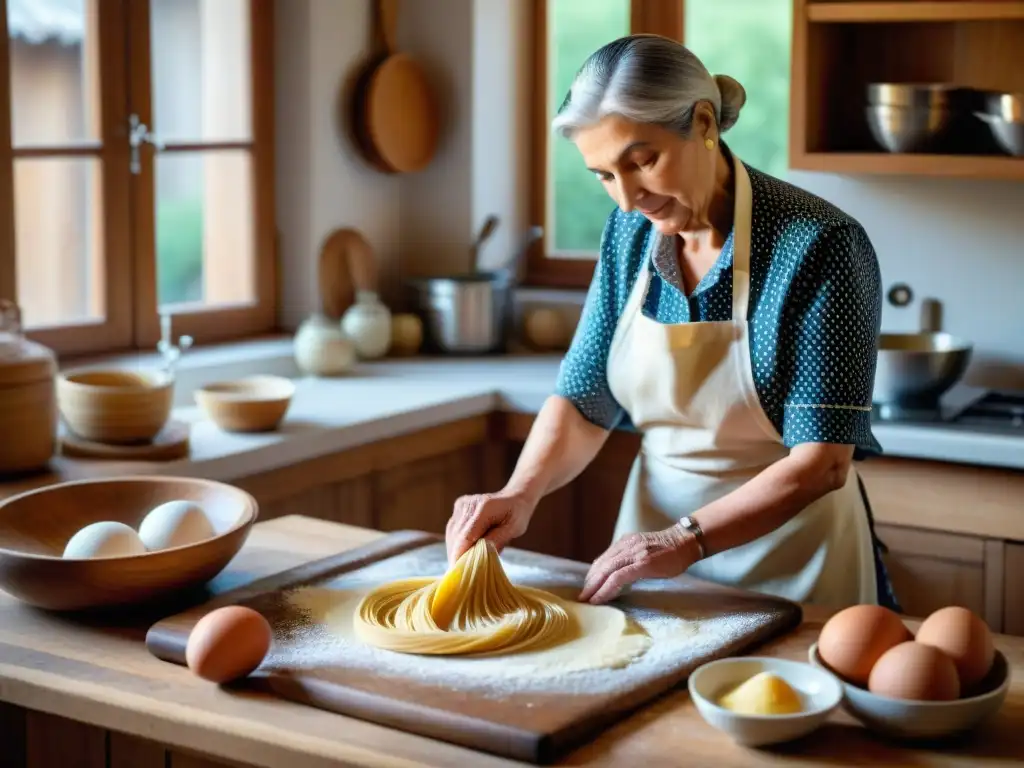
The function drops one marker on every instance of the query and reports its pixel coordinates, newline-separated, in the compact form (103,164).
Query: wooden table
(91,696)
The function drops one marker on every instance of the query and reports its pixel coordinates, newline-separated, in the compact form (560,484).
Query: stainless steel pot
(465,314)
(916,369)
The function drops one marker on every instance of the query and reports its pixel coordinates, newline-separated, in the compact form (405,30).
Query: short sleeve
(834,314)
(583,374)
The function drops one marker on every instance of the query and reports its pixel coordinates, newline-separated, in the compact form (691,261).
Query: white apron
(689,389)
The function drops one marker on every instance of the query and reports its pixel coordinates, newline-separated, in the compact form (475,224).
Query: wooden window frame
(128,263)
(663,17)
(216,323)
(113,331)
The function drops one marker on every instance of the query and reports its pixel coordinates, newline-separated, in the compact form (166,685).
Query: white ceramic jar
(368,324)
(322,348)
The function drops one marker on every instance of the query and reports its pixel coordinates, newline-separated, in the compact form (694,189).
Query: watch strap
(692,526)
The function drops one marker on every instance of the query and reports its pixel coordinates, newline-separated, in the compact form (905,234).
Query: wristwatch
(692,526)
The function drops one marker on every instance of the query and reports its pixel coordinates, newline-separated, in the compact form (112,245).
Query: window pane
(577,203)
(58,239)
(54,71)
(749,40)
(204,227)
(202,88)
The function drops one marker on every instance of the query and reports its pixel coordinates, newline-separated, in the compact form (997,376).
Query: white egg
(175,524)
(104,539)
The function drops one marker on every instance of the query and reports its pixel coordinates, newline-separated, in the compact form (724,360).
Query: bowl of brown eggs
(946,679)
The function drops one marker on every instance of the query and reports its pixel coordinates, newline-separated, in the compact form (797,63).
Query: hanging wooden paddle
(357,122)
(400,112)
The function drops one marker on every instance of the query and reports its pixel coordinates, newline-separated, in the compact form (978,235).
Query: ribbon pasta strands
(472,609)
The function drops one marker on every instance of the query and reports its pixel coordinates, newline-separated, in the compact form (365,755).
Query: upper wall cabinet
(961,56)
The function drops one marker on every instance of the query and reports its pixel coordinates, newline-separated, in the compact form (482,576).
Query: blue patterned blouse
(814,312)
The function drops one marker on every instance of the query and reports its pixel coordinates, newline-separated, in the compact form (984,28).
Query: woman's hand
(658,555)
(500,517)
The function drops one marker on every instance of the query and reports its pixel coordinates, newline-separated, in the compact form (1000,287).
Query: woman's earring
(709,143)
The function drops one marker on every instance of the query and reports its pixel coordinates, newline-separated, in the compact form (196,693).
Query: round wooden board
(337,293)
(402,116)
(172,443)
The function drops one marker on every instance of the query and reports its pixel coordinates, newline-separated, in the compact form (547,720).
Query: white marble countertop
(392,397)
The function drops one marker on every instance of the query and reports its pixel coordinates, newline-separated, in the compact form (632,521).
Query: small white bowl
(819,690)
(904,719)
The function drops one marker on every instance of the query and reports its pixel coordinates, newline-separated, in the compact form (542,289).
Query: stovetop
(963,407)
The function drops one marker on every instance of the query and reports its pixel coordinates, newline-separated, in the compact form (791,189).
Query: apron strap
(636,297)
(741,242)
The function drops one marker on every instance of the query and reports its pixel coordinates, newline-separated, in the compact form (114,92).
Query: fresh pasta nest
(471,609)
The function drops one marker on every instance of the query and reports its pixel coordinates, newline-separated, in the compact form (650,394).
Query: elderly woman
(732,320)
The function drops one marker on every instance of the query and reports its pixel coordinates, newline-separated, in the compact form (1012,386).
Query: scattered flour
(682,632)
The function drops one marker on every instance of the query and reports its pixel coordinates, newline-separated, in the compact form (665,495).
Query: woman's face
(643,167)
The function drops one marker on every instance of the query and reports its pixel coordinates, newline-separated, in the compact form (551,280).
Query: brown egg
(228,643)
(964,637)
(915,672)
(855,638)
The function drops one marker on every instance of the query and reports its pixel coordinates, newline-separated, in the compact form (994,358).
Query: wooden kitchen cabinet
(420,495)
(951,531)
(410,481)
(937,555)
(931,570)
(1013,589)
(840,47)
(348,501)
(599,491)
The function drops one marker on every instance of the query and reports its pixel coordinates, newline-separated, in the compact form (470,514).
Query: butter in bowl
(758,701)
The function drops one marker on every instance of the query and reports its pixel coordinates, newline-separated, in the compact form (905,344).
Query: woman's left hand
(658,555)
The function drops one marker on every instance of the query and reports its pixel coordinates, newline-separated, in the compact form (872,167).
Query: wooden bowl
(253,404)
(118,407)
(36,525)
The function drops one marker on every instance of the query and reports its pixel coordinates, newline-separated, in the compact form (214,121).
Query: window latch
(139,134)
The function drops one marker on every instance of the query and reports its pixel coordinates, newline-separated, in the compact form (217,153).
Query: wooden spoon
(486,230)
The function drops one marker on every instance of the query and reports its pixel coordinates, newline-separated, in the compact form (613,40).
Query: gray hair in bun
(649,79)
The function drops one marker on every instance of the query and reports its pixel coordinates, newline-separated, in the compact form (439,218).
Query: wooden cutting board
(510,717)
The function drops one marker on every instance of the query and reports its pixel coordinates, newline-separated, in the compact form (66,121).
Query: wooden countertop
(104,676)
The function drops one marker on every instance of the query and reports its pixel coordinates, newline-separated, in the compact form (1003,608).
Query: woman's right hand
(500,517)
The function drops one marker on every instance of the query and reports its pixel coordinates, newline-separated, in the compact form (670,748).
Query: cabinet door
(1013,590)
(599,492)
(931,570)
(344,502)
(421,494)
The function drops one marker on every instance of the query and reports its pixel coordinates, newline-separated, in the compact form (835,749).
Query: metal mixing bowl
(923,95)
(916,369)
(1008,134)
(908,129)
(1008,106)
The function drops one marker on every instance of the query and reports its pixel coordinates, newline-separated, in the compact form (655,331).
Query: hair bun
(733,98)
